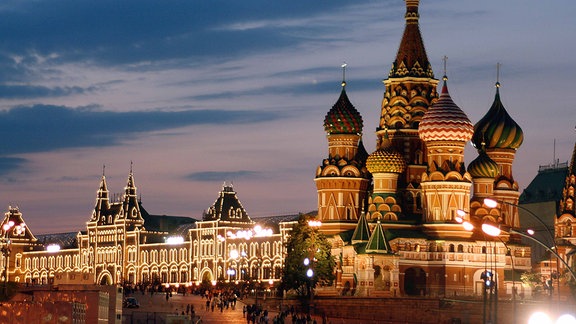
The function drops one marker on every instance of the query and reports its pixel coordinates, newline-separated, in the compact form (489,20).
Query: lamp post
(492,203)
(489,275)
(495,230)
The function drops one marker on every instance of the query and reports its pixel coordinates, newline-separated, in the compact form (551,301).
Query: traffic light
(488,278)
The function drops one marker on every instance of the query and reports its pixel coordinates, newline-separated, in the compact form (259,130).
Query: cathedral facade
(395,215)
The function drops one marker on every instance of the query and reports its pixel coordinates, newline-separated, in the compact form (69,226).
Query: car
(130,302)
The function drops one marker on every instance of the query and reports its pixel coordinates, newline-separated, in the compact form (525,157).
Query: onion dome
(343,118)
(483,167)
(445,121)
(497,129)
(386,160)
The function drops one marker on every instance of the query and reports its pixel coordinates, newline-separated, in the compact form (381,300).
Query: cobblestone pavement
(156,309)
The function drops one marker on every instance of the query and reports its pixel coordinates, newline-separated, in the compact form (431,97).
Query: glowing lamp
(491,229)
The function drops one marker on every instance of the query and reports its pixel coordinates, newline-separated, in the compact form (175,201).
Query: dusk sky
(196,93)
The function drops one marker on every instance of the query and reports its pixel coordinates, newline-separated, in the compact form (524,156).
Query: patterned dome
(343,118)
(483,167)
(445,121)
(497,129)
(386,160)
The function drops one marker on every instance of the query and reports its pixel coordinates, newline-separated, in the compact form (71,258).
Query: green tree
(534,280)
(306,242)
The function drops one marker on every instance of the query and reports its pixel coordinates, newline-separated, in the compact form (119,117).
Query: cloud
(42,128)
(30,91)
(209,176)
(134,31)
(10,164)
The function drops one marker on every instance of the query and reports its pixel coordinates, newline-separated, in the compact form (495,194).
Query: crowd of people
(221,300)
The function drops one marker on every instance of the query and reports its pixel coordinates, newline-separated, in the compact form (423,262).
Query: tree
(306,242)
(534,280)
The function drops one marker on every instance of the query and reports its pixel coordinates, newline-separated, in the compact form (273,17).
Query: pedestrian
(244,311)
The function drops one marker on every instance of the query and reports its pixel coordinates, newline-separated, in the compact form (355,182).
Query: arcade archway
(414,282)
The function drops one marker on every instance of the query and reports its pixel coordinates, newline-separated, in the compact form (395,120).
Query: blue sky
(196,93)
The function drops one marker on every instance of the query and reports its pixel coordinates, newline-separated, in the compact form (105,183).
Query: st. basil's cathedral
(394,216)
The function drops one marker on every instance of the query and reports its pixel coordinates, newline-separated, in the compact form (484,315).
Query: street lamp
(492,203)
(495,230)
(490,286)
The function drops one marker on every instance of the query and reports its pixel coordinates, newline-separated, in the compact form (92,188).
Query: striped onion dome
(483,167)
(343,118)
(445,121)
(386,160)
(497,129)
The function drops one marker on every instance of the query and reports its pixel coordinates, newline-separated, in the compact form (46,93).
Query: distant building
(565,222)
(118,248)
(540,202)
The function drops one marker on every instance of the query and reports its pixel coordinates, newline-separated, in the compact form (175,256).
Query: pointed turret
(378,242)
(362,231)
(102,199)
(227,208)
(411,59)
(14,229)
(130,205)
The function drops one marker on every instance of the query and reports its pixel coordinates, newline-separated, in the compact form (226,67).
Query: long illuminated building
(118,248)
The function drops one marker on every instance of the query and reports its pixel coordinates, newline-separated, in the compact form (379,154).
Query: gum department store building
(390,215)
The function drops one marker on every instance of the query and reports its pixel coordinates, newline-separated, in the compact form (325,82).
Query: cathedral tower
(499,136)
(342,181)
(445,129)
(409,91)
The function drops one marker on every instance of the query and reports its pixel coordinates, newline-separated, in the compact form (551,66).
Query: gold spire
(498,75)
(344,65)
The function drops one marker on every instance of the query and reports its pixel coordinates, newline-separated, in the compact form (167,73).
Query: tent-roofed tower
(342,181)
(410,90)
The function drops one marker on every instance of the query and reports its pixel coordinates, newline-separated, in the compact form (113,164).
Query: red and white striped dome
(445,121)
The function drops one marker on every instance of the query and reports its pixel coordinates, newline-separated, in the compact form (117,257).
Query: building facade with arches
(118,247)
